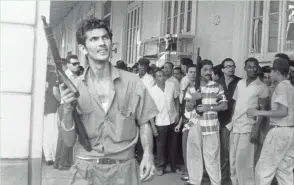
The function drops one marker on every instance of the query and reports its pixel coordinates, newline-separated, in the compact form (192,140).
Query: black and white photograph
(147,92)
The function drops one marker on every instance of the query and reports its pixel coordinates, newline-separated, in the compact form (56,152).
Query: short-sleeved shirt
(114,133)
(247,97)
(165,102)
(212,94)
(175,82)
(284,95)
(148,81)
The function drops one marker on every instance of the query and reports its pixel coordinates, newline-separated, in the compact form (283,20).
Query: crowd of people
(241,134)
(230,130)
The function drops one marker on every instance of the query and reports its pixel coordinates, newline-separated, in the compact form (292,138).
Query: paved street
(52,176)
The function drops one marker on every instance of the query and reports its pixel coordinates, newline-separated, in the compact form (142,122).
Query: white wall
(23,69)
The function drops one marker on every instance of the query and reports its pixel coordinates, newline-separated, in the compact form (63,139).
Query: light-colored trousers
(50,136)
(241,159)
(277,157)
(203,148)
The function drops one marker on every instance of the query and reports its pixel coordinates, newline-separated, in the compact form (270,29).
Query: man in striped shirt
(203,140)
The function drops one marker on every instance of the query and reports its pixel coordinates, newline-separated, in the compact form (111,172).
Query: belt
(106,161)
(278,126)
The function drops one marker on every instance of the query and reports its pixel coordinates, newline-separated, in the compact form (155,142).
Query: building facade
(236,29)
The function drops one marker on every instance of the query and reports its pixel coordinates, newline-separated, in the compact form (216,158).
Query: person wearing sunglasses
(73,66)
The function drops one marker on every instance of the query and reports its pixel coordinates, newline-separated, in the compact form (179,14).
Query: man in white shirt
(166,98)
(168,73)
(147,79)
(277,156)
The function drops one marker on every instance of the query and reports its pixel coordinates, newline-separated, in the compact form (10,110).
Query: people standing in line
(115,107)
(166,98)
(250,92)
(50,131)
(277,155)
(203,143)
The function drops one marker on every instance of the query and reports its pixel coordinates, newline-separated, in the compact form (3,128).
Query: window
(133,34)
(289,31)
(107,13)
(272,28)
(177,16)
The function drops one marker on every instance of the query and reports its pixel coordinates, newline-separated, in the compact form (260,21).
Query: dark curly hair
(88,25)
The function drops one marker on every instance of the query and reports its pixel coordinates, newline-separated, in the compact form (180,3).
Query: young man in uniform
(109,103)
(250,92)
(203,143)
(277,155)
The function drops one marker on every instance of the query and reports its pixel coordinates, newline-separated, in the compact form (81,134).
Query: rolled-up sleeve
(146,108)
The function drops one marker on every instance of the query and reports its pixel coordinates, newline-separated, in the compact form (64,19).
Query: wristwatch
(211,107)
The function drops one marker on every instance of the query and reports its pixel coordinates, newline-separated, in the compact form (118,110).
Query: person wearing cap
(277,155)
(250,92)
(115,107)
(143,67)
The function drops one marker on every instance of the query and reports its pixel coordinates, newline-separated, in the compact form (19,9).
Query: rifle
(62,78)
(197,82)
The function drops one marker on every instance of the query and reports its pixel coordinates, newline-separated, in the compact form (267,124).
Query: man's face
(206,72)
(229,68)
(98,44)
(267,78)
(177,74)
(142,69)
(273,76)
(135,70)
(251,68)
(159,77)
(291,71)
(191,74)
(167,70)
(184,69)
(73,65)
(214,76)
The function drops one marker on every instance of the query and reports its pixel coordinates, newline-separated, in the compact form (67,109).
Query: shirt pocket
(126,128)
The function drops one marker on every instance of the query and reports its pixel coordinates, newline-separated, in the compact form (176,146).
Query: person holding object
(109,103)
(203,143)
(277,154)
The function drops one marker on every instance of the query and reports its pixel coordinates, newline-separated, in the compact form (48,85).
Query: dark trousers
(166,144)
(184,148)
(64,154)
(224,153)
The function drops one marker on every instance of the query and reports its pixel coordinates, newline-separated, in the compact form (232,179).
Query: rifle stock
(62,78)
(198,78)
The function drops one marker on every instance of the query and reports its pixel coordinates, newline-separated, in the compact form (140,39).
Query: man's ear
(83,49)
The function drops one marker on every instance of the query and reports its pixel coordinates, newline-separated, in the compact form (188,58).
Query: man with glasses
(250,92)
(73,66)
(229,82)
